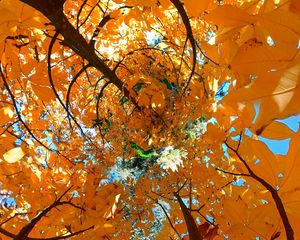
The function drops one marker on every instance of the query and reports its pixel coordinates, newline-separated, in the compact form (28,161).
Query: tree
(118,114)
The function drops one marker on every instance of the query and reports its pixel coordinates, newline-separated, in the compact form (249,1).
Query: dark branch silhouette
(74,40)
(190,36)
(289,232)
(25,231)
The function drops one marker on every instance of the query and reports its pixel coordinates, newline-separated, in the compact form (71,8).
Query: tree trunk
(194,234)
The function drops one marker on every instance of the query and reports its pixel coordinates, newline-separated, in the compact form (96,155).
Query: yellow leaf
(289,190)
(210,50)
(283,26)
(196,7)
(228,50)
(278,92)
(256,57)
(145,3)
(276,130)
(229,16)
(261,160)
(292,167)
(235,211)
(13,155)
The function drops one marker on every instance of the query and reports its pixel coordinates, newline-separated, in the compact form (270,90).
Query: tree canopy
(146,119)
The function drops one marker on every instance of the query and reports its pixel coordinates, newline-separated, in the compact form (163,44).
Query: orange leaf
(211,233)
(6,114)
(196,7)
(203,228)
(44,93)
(276,130)
(295,6)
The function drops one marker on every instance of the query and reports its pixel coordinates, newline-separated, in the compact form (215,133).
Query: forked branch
(75,41)
(280,207)
(25,231)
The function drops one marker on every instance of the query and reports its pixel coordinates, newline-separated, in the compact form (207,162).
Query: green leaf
(141,152)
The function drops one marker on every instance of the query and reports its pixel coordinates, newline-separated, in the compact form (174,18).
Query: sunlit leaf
(229,16)
(132,119)
(195,8)
(276,130)
(14,155)
(6,114)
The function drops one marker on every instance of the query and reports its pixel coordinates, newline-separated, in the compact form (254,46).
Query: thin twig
(167,215)
(190,36)
(232,173)
(17,110)
(55,92)
(279,204)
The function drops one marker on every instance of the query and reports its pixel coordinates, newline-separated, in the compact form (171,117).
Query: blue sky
(276,146)
(282,146)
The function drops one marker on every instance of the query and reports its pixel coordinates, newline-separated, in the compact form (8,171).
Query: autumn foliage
(145,119)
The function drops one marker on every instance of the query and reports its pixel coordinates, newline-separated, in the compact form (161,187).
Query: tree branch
(69,114)
(17,110)
(25,231)
(76,42)
(280,207)
(14,103)
(71,85)
(190,36)
(167,215)
(194,234)
(232,173)
(63,236)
